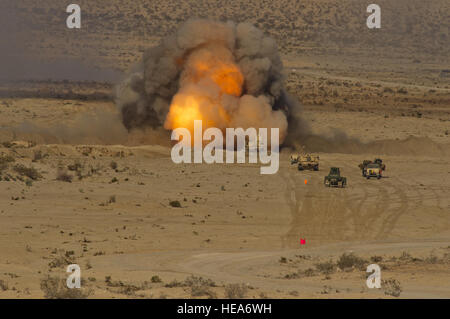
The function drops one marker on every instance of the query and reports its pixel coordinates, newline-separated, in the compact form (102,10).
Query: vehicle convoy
(334,178)
(372,168)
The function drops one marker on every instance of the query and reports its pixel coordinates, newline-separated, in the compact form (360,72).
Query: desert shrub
(350,261)
(62,260)
(175,283)
(391,287)
(309,272)
(37,156)
(175,203)
(3,285)
(128,289)
(376,259)
(75,167)
(5,160)
(63,176)
(113,165)
(7,144)
(432,259)
(235,291)
(200,286)
(56,288)
(326,268)
(156,279)
(29,172)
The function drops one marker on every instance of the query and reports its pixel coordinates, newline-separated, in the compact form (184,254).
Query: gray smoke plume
(232,73)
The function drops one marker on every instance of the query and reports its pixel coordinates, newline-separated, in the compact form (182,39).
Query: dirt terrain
(76,187)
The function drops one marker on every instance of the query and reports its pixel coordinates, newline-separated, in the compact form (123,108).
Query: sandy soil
(88,192)
(234,225)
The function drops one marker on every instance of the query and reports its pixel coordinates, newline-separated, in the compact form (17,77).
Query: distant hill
(311,26)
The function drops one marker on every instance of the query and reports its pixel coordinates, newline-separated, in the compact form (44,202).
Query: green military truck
(334,178)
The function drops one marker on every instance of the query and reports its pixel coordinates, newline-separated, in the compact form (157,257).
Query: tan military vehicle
(372,168)
(294,158)
(309,162)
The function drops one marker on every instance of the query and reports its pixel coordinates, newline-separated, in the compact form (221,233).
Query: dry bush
(64,259)
(235,291)
(175,204)
(7,144)
(3,285)
(113,165)
(56,288)
(326,268)
(155,279)
(200,286)
(175,283)
(347,261)
(5,160)
(29,172)
(391,287)
(37,156)
(63,176)
(125,288)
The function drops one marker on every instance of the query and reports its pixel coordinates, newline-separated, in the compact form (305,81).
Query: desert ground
(77,188)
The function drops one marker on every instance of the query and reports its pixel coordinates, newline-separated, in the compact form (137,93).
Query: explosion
(224,74)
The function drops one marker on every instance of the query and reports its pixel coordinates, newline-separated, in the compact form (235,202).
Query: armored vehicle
(334,178)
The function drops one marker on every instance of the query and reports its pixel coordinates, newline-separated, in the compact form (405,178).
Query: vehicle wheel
(368,177)
(316,168)
(300,168)
(379,177)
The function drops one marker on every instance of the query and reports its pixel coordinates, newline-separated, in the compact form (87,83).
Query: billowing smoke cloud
(226,74)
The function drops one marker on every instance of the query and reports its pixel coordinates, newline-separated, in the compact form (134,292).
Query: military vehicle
(308,161)
(373,170)
(334,178)
(377,163)
(294,158)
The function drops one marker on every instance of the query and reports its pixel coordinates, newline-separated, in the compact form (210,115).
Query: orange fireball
(208,75)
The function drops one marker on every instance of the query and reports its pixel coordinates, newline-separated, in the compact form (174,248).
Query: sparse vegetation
(175,204)
(200,286)
(37,156)
(3,285)
(391,287)
(63,259)
(112,199)
(56,288)
(350,261)
(326,268)
(29,172)
(63,176)
(155,279)
(7,144)
(235,291)
(113,165)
